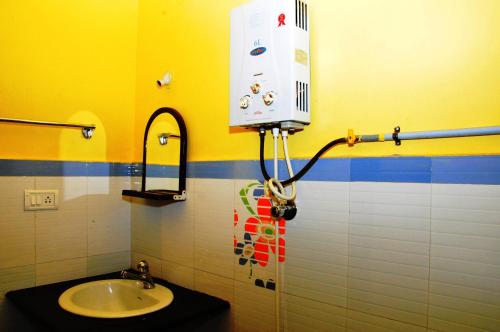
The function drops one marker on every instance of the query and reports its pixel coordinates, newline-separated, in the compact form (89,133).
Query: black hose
(262,134)
(306,168)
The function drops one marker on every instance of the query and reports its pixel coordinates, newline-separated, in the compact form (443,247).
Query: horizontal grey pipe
(47,123)
(369,138)
(465,132)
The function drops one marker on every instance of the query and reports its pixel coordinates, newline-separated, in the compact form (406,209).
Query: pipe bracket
(395,135)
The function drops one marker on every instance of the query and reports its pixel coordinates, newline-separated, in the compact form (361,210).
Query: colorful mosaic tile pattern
(254,239)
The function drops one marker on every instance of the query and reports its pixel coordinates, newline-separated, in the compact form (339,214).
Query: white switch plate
(41,199)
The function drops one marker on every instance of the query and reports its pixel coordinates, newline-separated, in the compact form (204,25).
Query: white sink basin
(114,298)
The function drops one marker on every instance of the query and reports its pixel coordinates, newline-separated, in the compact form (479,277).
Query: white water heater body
(270,64)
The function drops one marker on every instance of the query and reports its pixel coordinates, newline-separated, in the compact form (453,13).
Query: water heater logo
(258,51)
(281,20)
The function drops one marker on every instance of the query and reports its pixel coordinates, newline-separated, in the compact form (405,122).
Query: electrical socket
(41,199)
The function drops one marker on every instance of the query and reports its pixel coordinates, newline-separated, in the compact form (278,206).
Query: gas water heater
(270,90)
(270,65)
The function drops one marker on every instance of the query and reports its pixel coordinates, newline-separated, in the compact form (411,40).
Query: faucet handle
(143,266)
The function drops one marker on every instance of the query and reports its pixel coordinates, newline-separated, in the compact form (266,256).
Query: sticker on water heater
(281,20)
(301,57)
(258,51)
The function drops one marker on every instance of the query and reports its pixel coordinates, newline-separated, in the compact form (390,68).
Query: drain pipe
(277,302)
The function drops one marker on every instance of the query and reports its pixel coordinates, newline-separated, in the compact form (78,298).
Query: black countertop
(40,305)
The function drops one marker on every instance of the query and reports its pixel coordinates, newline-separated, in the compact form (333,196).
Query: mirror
(164,158)
(163,144)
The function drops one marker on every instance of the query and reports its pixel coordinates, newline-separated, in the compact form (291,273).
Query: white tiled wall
(465,258)
(253,308)
(213,239)
(317,244)
(89,234)
(303,314)
(17,227)
(359,256)
(108,216)
(389,229)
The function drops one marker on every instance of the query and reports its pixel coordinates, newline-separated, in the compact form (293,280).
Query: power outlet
(41,199)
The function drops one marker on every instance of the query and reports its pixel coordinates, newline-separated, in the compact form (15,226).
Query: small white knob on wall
(166,80)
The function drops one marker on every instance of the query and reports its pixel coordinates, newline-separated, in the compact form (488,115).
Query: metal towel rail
(87,130)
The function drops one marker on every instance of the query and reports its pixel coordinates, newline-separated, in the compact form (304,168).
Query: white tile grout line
(87,218)
(233,205)
(194,234)
(35,230)
(348,252)
(430,255)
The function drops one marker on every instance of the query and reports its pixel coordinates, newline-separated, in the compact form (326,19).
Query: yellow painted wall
(168,154)
(69,61)
(421,64)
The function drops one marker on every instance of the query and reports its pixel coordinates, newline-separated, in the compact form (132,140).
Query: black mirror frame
(165,195)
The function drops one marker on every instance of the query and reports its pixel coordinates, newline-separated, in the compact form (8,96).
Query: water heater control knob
(245,102)
(255,88)
(269,98)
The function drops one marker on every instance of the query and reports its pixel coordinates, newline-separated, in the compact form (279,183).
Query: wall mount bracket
(395,135)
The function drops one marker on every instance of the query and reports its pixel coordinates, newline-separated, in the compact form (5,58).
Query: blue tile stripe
(225,169)
(392,169)
(9,167)
(471,170)
(459,170)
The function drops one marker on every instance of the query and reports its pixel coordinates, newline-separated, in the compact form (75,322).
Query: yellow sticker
(301,57)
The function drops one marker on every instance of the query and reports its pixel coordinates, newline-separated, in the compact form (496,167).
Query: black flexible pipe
(306,168)
(262,134)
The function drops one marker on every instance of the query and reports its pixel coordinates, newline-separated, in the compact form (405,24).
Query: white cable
(274,184)
(277,298)
(277,295)
(284,135)
(281,194)
(276,133)
(279,191)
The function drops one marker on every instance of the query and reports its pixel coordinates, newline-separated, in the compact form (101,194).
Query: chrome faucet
(144,275)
